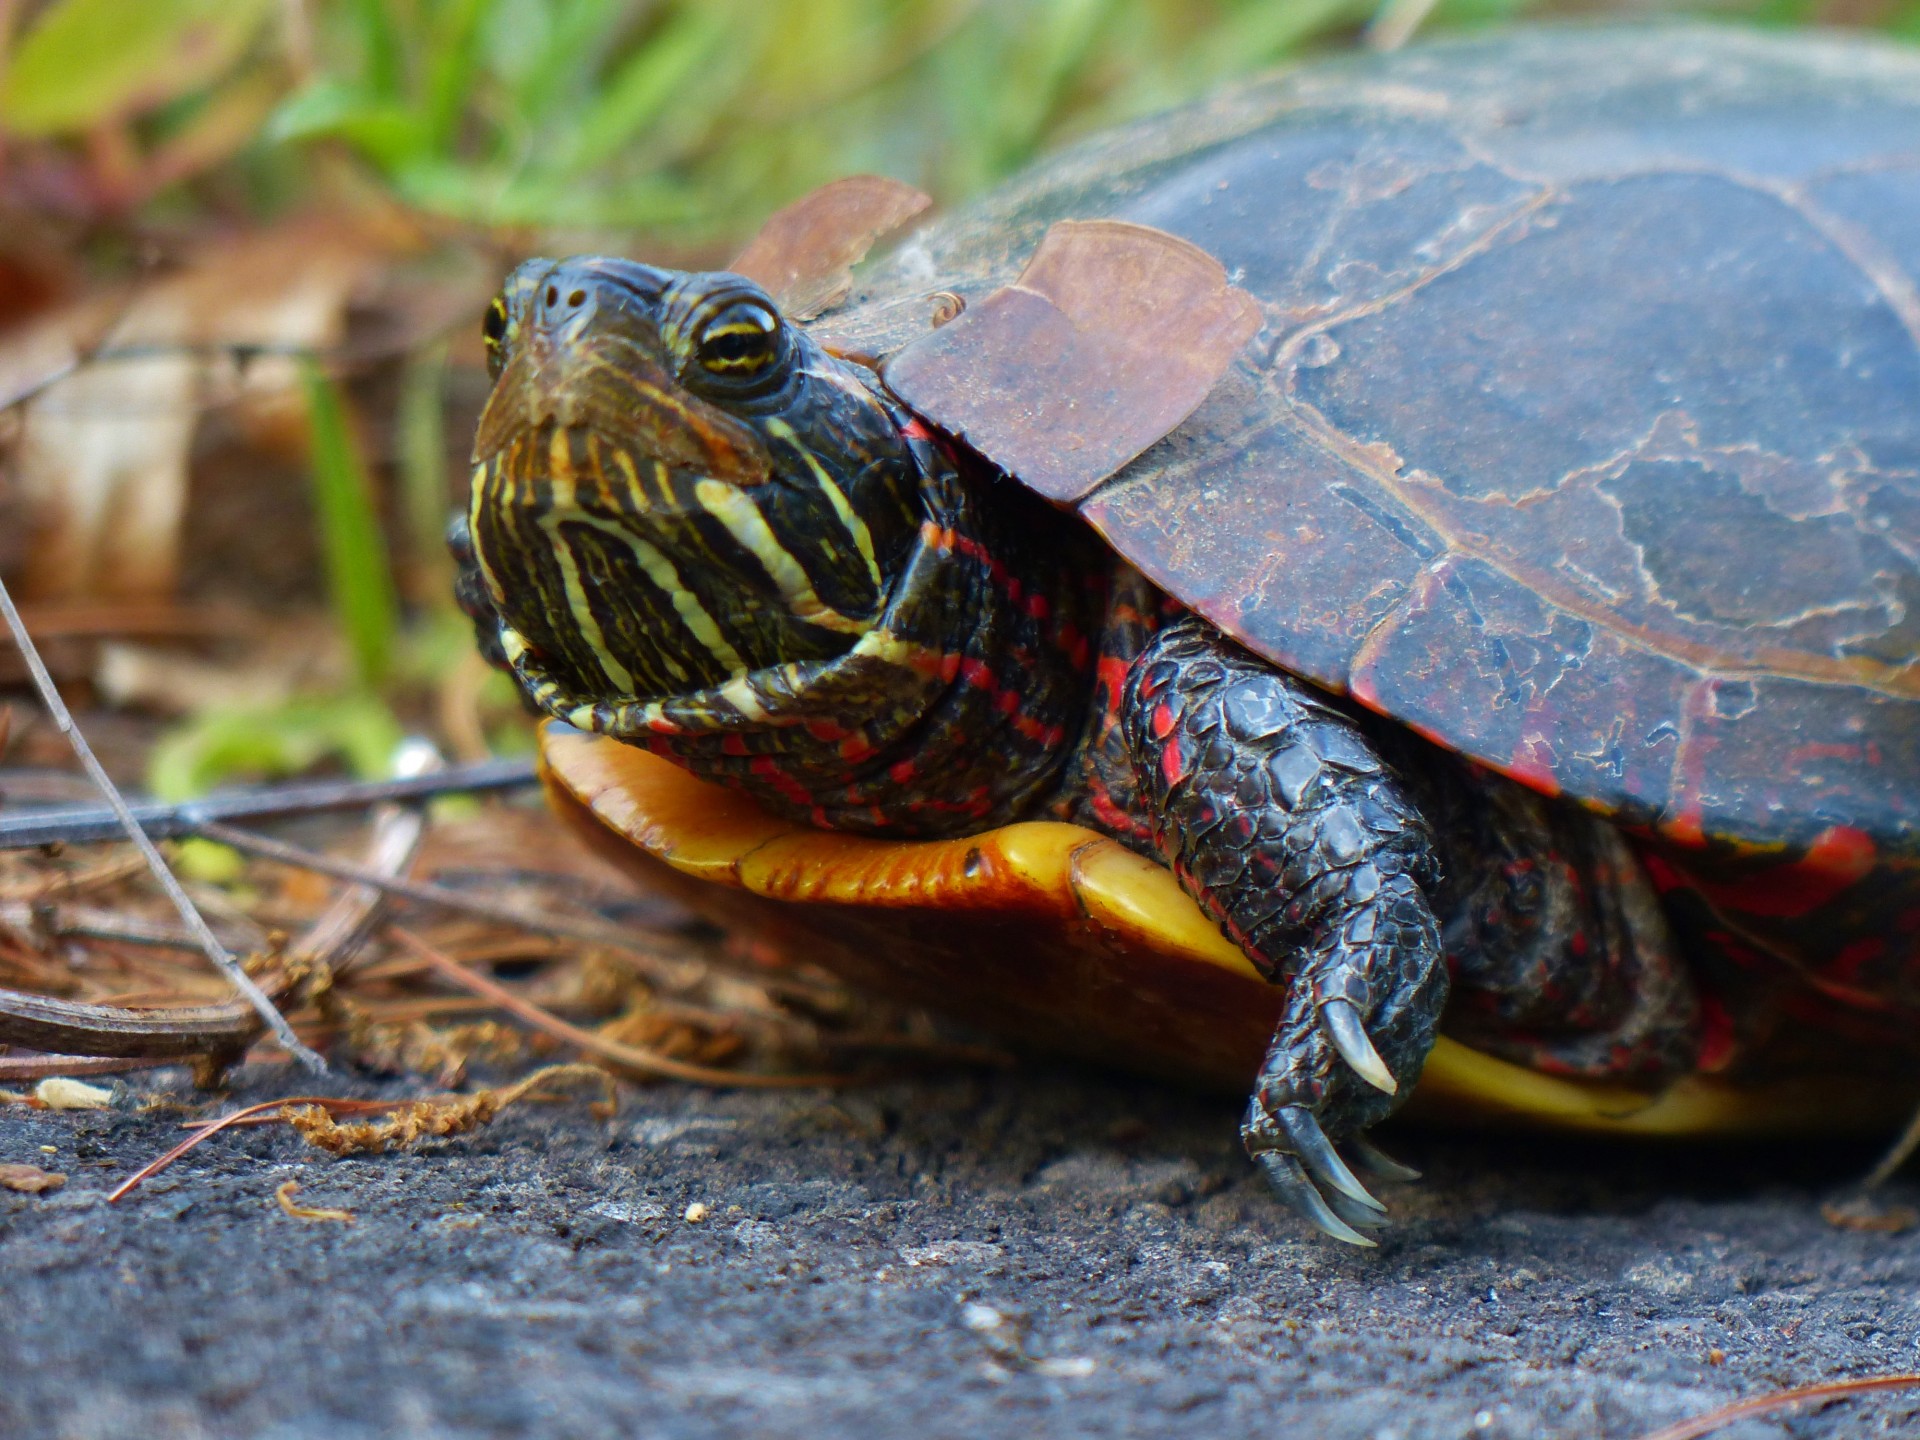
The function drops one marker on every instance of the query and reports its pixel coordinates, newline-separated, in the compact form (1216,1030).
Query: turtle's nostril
(553,296)
(578,297)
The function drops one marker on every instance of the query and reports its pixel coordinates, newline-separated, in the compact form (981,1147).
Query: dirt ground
(1051,1251)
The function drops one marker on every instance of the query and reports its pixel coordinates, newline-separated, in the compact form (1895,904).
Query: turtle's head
(673,485)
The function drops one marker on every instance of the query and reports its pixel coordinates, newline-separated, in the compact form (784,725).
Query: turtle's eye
(493,330)
(740,341)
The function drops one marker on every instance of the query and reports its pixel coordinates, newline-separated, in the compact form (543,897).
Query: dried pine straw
(675,1001)
(293,1210)
(434,1119)
(406,1122)
(1779,1400)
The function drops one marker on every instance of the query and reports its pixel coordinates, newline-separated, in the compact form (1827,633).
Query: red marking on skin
(1160,724)
(1074,643)
(1111,673)
(1665,878)
(764,767)
(1112,816)
(733,745)
(914,428)
(1739,953)
(1173,767)
(1718,1042)
(902,772)
(660,725)
(855,748)
(950,541)
(1854,957)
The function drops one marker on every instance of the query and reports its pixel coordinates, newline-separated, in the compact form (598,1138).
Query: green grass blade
(422,433)
(355,552)
(640,91)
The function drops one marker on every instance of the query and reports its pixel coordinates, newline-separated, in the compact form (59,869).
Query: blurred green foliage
(689,117)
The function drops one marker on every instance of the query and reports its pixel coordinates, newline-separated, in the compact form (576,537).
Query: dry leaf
(101,458)
(29,1179)
(60,1093)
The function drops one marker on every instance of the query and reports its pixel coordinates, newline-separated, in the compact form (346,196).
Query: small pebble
(697,1212)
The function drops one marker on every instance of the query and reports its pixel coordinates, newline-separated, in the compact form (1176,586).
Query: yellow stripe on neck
(730,506)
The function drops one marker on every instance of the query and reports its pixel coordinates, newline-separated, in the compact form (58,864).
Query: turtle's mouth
(601,397)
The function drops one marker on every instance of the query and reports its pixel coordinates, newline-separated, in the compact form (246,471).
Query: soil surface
(1045,1252)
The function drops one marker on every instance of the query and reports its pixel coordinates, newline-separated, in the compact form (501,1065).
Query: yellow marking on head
(730,506)
(836,497)
(659,569)
(561,478)
(596,457)
(630,473)
(564,509)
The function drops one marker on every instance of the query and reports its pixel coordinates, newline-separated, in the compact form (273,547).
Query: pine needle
(222,959)
(1779,1400)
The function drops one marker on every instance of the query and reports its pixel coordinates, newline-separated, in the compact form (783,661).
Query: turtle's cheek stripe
(735,509)
(565,562)
(843,511)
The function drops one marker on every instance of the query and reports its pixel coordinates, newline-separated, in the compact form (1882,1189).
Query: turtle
(1448,520)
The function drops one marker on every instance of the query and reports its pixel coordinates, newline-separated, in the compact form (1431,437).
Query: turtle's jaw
(639,539)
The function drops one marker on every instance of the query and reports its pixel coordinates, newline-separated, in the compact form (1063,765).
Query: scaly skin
(879,634)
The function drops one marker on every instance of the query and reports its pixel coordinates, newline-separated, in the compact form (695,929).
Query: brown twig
(39,1067)
(411,1119)
(1779,1400)
(1897,1155)
(155,1166)
(216,953)
(176,1032)
(593,931)
(626,1057)
(75,825)
(81,922)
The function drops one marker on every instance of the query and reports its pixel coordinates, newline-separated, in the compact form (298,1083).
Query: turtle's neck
(953,714)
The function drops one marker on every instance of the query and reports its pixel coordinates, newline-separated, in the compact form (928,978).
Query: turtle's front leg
(1279,818)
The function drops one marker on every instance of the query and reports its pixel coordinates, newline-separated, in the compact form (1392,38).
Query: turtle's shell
(1583,434)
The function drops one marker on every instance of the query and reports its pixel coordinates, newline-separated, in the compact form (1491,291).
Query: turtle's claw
(1377,1162)
(1354,1213)
(1323,1163)
(1348,1033)
(1289,1181)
